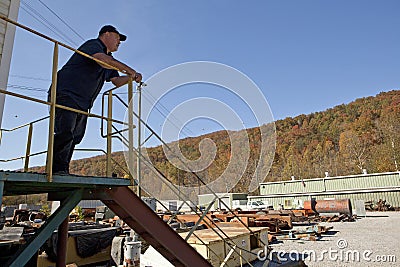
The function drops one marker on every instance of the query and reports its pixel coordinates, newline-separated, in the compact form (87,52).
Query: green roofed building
(367,187)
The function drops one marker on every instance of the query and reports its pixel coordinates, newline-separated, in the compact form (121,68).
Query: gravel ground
(370,241)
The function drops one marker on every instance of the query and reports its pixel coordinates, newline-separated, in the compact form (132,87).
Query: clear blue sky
(305,56)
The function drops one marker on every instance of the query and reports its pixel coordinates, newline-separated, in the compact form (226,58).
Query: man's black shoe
(61,173)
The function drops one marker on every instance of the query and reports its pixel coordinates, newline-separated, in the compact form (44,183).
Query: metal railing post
(130,129)
(139,149)
(49,166)
(28,147)
(109,133)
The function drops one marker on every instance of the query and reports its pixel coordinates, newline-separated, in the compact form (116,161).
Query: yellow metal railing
(28,154)
(53,107)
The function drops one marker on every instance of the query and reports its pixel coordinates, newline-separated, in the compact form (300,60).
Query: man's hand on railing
(122,80)
(136,76)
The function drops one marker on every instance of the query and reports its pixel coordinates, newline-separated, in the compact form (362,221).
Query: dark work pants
(69,130)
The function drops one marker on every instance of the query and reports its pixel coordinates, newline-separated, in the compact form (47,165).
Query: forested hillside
(342,140)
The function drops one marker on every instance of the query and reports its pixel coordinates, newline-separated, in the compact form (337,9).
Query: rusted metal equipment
(274,220)
(380,205)
(132,254)
(342,206)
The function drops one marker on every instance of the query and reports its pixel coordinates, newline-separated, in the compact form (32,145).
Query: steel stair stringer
(144,221)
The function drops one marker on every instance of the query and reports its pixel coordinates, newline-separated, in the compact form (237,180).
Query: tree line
(344,140)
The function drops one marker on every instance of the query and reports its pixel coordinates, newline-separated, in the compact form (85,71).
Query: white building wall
(8,8)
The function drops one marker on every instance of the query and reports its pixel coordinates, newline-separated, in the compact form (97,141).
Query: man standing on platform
(78,83)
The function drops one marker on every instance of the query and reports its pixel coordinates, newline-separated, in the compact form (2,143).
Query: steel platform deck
(25,183)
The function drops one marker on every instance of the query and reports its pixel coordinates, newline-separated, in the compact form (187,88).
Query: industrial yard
(369,241)
(286,238)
